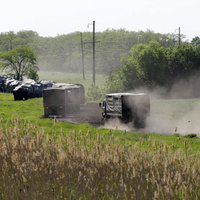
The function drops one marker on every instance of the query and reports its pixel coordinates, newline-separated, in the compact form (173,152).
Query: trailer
(63,99)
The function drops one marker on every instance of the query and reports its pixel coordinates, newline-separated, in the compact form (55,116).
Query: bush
(191,135)
(94,93)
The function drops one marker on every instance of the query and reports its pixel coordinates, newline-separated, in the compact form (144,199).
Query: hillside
(63,52)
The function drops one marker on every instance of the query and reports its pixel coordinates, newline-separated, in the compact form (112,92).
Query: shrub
(94,93)
(191,135)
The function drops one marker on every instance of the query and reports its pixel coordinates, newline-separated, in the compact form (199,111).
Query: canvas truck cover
(117,104)
(113,105)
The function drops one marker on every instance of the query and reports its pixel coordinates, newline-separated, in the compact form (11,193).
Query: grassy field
(47,159)
(64,77)
(32,111)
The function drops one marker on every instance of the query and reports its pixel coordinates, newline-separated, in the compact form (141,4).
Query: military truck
(128,107)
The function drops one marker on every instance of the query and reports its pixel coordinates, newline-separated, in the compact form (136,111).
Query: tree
(145,65)
(20,62)
(184,60)
(196,41)
(6,40)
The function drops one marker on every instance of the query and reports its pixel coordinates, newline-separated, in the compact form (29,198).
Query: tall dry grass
(34,165)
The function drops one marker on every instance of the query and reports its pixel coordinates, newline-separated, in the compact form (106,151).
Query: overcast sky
(56,17)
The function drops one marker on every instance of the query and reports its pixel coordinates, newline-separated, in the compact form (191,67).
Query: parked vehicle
(29,89)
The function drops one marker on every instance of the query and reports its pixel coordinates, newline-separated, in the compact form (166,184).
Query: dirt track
(89,113)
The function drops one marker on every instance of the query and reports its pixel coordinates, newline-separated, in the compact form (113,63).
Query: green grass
(32,111)
(46,159)
(65,77)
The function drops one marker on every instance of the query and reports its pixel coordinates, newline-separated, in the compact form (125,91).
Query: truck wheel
(140,123)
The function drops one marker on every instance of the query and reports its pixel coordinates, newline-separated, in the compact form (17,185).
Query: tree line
(63,52)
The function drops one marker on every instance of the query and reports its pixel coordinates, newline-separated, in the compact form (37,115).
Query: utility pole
(93,68)
(179,36)
(93,52)
(83,67)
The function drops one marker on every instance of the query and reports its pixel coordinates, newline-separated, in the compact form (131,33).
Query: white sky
(56,17)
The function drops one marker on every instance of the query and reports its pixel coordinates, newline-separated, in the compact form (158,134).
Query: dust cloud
(168,122)
(116,124)
(172,111)
(176,110)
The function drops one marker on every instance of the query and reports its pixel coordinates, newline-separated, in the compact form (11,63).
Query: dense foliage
(153,65)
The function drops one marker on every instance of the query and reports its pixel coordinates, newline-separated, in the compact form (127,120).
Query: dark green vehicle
(128,107)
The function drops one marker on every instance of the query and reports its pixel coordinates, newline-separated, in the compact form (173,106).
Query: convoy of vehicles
(66,100)
(61,100)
